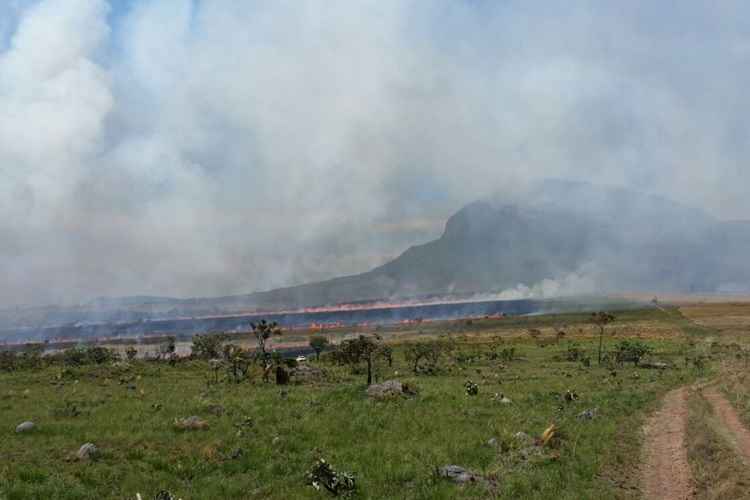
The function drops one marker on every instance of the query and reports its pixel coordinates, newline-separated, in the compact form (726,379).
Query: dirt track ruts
(666,471)
(726,413)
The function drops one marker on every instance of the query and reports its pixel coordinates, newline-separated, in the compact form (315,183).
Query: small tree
(631,351)
(131,352)
(318,343)
(601,319)
(168,347)
(208,346)
(425,356)
(364,348)
(262,332)
(237,361)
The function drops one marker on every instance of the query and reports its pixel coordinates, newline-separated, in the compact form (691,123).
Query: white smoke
(176,147)
(569,285)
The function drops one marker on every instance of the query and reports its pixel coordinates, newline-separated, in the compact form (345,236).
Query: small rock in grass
(522,437)
(215,409)
(492,442)
(654,365)
(457,474)
(190,423)
(500,398)
(88,451)
(164,495)
(390,389)
(588,414)
(25,427)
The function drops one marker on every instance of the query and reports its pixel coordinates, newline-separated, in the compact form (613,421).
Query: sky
(198,148)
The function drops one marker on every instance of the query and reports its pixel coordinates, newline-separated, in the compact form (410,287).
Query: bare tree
(601,319)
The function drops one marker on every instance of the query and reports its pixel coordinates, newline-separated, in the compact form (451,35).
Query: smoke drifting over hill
(191,148)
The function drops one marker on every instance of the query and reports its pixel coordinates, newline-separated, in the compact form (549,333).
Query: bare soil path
(666,471)
(739,435)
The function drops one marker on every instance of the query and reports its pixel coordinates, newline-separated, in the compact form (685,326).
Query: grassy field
(263,439)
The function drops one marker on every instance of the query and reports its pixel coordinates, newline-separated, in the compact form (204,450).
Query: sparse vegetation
(208,346)
(318,343)
(165,428)
(424,356)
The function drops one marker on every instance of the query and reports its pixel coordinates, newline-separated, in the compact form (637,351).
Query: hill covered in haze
(556,237)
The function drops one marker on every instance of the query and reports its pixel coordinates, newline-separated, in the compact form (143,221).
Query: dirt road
(666,472)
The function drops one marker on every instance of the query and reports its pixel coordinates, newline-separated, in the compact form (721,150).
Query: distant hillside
(617,239)
(613,239)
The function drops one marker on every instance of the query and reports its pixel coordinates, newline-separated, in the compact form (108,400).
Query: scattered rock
(25,427)
(588,414)
(389,389)
(217,410)
(246,422)
(457,474)
(191,423)
(522,437)
(165,495)
(571,396)
(88,451)
(500,398)
(492,442)
(654,365)
(472,389)
(305,373)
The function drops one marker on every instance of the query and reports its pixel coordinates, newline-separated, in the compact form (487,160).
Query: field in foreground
(262,439)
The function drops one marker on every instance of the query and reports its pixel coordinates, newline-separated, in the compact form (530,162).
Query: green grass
(392,447)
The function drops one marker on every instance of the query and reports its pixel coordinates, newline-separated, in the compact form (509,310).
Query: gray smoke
(183,148)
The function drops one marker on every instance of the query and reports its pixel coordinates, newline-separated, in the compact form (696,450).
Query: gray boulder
(88,451)
(25,427)
(457,474)
(390,389)
(654,365)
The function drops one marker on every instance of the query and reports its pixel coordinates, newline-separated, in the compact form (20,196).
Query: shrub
(8,361)
(75,356)
(83,355)
(508,354)
(262,332)
(425,356)
(337,483)
(208,346)
(100,355)
(631,350)
(238,362)
(362,349)
(574,353)
(131,352)
(318,343)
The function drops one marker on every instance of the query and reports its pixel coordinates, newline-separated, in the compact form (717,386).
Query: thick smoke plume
(183,148)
